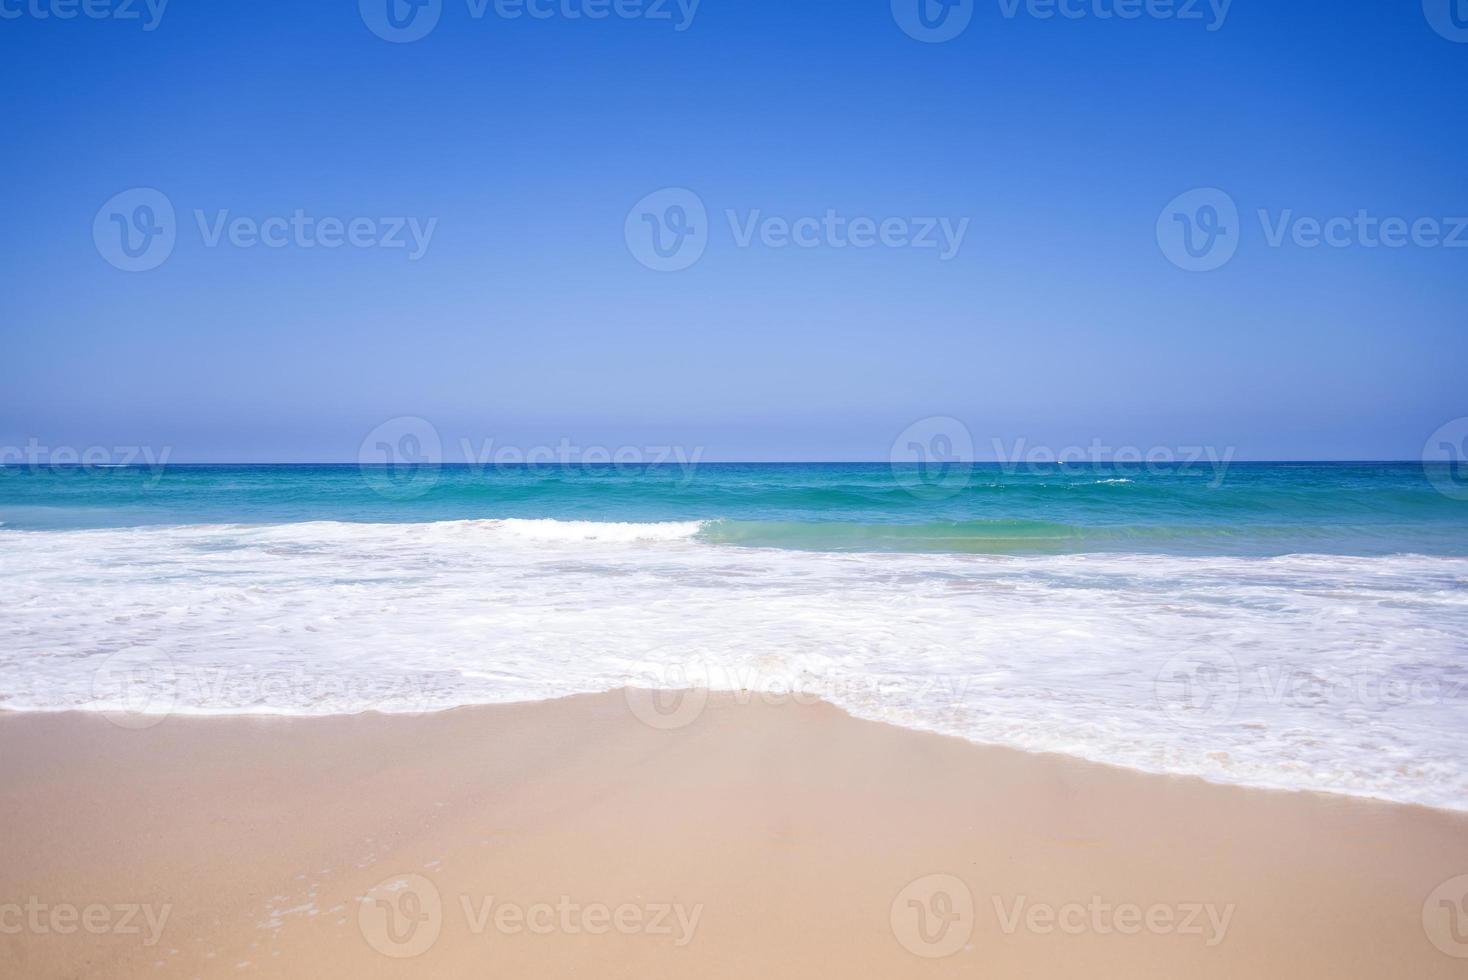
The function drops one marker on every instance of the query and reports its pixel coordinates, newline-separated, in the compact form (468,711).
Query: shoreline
(739,699)
(1300,672)
(544,838)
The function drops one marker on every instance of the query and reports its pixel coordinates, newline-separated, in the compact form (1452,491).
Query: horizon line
(718,462)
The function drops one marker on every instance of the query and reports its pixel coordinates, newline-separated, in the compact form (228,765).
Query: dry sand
(570,838)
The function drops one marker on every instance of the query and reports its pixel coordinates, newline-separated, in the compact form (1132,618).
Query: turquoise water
(1248,509)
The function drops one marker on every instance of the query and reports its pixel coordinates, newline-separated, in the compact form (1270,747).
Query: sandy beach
(901,490)
(573,838)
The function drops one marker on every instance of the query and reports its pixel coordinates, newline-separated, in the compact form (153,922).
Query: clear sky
(1062,315)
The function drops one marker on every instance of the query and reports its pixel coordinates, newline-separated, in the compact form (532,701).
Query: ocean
(1299,626)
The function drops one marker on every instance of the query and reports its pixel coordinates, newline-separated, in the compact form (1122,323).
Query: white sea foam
(1330,673)
(550,530)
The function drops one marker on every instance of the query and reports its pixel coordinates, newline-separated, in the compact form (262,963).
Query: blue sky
(1060,318)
